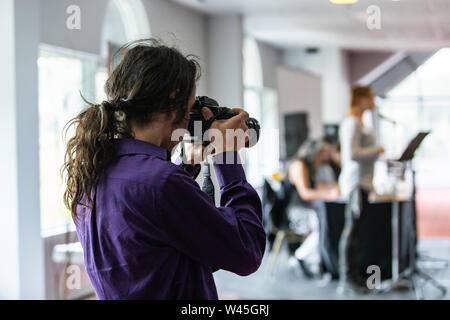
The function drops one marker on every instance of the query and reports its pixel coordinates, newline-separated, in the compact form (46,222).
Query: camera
(219,113)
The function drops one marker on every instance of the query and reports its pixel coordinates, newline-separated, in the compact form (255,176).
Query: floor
(288,282)
(433,213)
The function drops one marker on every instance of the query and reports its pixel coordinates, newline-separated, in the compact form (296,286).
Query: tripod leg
(418,290)
(433,281)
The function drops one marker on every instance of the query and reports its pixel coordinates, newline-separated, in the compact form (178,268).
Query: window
(261,103)
(421,102)
(63,74)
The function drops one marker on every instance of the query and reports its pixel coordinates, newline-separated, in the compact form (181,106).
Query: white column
(224,68)
(21,246)
(225,59)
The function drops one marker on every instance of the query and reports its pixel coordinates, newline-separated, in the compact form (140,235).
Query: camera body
(219,113)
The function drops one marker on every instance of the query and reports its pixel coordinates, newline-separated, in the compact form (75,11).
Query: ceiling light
(343,1)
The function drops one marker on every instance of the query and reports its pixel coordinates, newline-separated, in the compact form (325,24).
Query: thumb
(241,116)
(207,113)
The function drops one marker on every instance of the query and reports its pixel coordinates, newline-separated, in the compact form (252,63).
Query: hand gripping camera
(219,113)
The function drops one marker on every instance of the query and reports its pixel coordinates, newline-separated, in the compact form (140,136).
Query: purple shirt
(155,235)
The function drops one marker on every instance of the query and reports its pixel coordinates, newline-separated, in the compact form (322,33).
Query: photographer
(147,229)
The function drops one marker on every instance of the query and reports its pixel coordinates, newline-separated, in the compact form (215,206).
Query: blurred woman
(311,174)
(358,148)
(310,178)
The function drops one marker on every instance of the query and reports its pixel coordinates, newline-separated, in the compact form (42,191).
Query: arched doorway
(124,21)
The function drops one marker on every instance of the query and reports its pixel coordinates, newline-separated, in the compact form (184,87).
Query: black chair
(276,222)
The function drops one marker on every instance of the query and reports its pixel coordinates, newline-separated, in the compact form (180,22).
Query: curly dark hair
(142,85)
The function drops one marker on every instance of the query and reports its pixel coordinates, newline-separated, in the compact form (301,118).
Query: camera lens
(253,130)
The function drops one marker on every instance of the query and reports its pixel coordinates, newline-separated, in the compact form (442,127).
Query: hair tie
(122,104)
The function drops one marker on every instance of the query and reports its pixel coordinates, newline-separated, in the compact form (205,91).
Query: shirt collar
(134,146)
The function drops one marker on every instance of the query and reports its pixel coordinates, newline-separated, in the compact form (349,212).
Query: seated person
(310,177)
(335,159)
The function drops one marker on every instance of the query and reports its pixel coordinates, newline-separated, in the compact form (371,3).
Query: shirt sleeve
(230,237)
(191,170)
(358,152)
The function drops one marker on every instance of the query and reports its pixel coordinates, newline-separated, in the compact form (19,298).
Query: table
(370,242)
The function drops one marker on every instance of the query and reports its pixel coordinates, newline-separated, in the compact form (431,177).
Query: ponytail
(90,150)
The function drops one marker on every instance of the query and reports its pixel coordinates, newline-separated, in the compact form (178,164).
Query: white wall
(21,246)
(187,27)
(330,63)
(299,91)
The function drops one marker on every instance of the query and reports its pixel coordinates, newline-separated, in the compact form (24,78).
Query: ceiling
(405,24)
